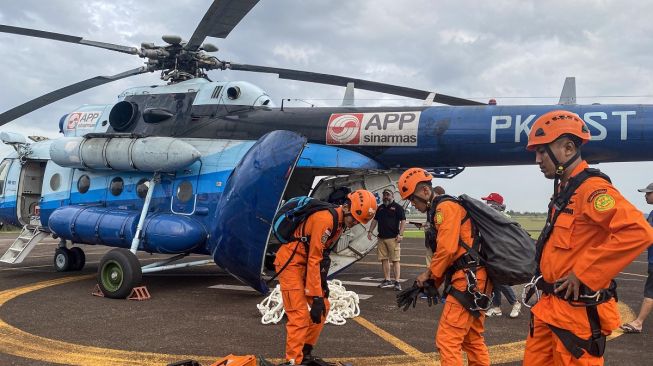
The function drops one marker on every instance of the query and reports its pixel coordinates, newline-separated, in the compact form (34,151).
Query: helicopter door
(248,204)
(9,173)
(56,189)
(29,191)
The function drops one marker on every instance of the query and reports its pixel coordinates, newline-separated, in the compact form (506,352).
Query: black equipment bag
(502,245)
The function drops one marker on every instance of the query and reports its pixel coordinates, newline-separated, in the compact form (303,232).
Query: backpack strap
(305,239)
(559,203)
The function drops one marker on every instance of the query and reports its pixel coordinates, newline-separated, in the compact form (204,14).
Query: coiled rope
(344,305)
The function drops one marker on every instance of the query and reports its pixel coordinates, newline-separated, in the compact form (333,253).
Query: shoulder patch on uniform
(596,193)
(325,236)
(439,217)
(603,202)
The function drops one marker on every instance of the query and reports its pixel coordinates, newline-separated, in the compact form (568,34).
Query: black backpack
(500,244)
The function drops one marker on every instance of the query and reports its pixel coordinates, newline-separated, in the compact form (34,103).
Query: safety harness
(589,299)
(471,299)
(305,239)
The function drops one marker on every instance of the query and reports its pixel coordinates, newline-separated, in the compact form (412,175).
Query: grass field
(532,224)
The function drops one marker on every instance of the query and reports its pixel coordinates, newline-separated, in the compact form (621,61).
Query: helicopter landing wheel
(119,272)
(62,259)
(78,259)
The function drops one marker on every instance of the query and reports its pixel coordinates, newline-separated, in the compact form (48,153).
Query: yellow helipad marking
(16,342)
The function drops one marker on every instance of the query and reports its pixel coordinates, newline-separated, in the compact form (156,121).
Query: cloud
(516,52)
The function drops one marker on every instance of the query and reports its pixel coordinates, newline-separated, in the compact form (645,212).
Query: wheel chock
(97,291)
(139,294)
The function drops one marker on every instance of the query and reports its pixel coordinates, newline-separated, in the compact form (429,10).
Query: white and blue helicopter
(200,167)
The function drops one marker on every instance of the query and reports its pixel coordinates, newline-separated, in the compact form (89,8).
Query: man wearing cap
(495,201)
(391,220)
(635,326)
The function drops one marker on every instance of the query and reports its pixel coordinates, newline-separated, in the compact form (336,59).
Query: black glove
(431,292)
(408,296)
(317,310)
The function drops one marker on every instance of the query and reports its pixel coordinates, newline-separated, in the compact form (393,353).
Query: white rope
(272,307)
(344,305)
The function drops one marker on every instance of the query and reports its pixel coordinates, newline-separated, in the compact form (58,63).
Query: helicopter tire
(118,273)
(78,259)
(62,259)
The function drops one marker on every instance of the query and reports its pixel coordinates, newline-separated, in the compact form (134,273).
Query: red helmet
(409,180)
(554,124)
(363,205)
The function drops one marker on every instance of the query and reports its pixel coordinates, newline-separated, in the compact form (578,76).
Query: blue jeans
(507,292)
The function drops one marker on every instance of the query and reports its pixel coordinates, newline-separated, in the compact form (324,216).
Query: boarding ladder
(24,243)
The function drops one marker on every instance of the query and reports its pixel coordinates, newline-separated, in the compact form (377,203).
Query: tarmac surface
(51,318)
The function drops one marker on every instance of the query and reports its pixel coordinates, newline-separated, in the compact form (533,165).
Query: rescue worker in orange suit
(461,325)
(589,242)
(302,284)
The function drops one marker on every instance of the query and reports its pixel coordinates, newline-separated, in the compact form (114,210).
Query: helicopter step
(24,243)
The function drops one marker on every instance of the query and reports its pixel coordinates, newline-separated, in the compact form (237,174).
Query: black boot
(309,359)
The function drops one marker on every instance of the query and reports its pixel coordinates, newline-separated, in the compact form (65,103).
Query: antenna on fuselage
(348,100)
(568,95)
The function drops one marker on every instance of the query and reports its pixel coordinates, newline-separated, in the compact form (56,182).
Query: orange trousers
(300,328)
(545,348)
(459,331)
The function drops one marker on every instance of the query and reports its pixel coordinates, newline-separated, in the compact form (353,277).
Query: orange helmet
(409,180)
(554,124)
(363,205)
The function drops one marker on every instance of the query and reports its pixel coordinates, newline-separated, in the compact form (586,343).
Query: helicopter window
(233,92)
(141,188)
(116,186)
(4,169)
(83,184)
(185,191)
(55,181)
(216,92)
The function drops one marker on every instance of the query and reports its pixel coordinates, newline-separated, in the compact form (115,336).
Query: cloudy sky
(518,52)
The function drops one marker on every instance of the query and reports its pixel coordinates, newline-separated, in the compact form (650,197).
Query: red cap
(494,197)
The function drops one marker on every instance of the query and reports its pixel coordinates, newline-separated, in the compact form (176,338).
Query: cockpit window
(4,169)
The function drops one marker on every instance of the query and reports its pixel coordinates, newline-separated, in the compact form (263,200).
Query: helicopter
(200,167)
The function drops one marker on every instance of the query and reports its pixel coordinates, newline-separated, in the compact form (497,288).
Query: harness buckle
(531,289)
(595,296)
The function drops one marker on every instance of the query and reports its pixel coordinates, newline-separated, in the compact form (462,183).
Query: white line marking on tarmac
(644,262)
(358,283)
(233,287)
(378,279)
(633,274)
(628,279)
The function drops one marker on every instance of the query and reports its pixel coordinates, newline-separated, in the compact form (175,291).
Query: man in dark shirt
(635,326)
(391,220)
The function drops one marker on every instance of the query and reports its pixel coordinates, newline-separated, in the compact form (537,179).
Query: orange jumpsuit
(596,236)
(458,329)
(301,280)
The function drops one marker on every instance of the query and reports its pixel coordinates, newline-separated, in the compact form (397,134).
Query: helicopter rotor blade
(219,20)
(314,77)
(64,92)
(66,38)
